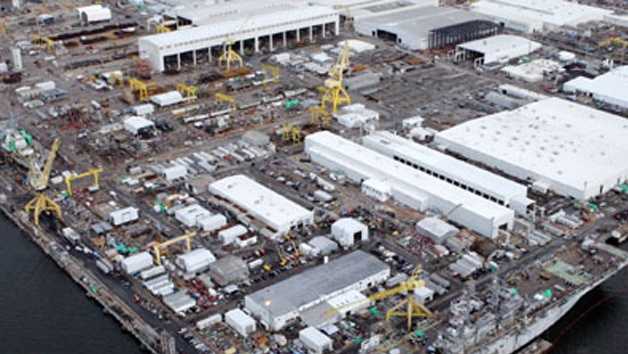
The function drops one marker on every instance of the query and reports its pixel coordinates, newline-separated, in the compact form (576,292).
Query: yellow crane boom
(39,181)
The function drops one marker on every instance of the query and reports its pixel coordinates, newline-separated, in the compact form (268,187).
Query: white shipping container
(152,272)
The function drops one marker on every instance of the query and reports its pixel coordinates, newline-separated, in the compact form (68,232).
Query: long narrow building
(408,186)
(466,176)
(204,40)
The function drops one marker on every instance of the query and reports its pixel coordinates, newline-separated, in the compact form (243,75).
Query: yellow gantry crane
(335,95)
(319,116)
(230,57)
(189,91)
(45,41)
(161,28)
(221,97)
(291,133)
(139,87)
(38,180)
(273,71)
(616,41)
(92,172)
(157,248)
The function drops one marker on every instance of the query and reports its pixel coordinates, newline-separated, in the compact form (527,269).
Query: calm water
(42,311)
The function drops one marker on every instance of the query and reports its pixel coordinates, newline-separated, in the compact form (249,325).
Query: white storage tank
(123,216)
(316,341)
(240,322)
(229,235)
(137,263)
(347,231)
(195,260)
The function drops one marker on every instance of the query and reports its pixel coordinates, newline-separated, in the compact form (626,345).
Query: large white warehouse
(273,209)
(538,15)
(569,148)
(411,187)
(610,88)
(451,170)
(279,304)
(267,27)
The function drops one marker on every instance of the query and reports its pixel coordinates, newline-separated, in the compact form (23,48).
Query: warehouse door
(357,237)
(387,36)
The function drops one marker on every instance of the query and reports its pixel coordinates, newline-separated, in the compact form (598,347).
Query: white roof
(167,98)
(502,45)
(553,12)
(135,123)
(436,226)
(446,165)
(552,139)
(532,71)
(348,224)
(270,207)
(206,12)
(240,317)
(404,178)
(237,28)
(611,87)
(312,336)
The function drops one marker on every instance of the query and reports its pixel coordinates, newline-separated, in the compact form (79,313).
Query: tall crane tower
(38,180)
(335,94)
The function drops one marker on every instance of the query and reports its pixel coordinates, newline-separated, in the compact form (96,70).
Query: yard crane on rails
(38,180)
(158,246)
(222,97)
(291,133)
(92,172)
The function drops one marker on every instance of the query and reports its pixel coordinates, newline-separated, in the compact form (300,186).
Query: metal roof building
(413,188)
(610,88)
(271,24)
(451,170)
(417,28)
(496,49)
(277,305)
(273,209)
(572,149)
(537,15)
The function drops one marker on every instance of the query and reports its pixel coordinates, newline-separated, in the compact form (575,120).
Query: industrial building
(276,211)
(414,188)
(555,144)
(610,88)
(426,27)
(93,13)
(195,260)
(496,49)
(458,173)
(263,25)
(316,341)
(279,304)
(229,269)
(538,15)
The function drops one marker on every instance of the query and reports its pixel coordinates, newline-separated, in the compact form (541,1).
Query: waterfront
(43,311)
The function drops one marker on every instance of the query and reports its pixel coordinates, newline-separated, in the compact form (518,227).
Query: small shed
(240,322)
(348,231)
(137,125)
(315,340)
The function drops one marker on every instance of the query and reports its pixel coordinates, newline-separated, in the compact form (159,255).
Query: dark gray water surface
(42,311)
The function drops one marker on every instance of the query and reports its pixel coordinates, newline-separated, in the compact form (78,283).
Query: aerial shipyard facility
(321,176)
